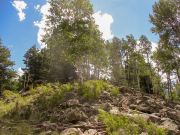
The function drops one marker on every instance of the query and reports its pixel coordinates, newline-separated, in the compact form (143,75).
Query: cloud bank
(44,11)
(20,72)
(104,22)
(20,6)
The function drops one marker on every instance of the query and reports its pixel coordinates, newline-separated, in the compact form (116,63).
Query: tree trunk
(178,75)
(169,85)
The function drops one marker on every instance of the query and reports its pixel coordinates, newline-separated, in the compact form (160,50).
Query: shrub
(9,95)
(130,126)
(92,89)
(115,123)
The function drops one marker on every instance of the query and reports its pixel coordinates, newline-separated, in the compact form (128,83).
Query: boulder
(133,107)
(169,124)
(154,118)
(144,108)
(74,115)
(107,107)
(73,102)
(114,110)
(177,107)
(91,132)
(144,133)
(72,131)
(175,115)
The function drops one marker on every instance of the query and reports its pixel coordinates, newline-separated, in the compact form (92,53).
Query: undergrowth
(92,89)
(122,125)
(46,97)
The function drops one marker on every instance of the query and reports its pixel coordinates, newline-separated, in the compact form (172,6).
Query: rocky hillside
(94,108)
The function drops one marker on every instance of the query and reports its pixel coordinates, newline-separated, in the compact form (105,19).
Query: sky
(22,22)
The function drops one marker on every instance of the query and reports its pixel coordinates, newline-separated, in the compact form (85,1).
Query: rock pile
(79,116)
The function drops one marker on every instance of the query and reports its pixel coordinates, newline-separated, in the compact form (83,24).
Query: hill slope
(93,108)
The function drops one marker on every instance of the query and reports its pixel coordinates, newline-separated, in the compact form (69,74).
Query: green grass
(92,89)
(41,103)
(127,126)
(46,97)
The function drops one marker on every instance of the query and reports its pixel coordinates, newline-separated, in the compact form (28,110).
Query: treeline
(75,51)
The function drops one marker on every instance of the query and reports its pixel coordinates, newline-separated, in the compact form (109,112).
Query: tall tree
(166,63)
(73,34)
(166,20)
(37,66)
(116,62)
(6,72)
(145,47)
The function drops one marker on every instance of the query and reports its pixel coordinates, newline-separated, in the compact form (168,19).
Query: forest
(78,64)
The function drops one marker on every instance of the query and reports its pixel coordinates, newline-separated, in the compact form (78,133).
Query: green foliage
(176,92)
(15,128)
(114,91)
(6,72)
(165,21)
(115,123)
(47,97)
(92,89)
(9,95)
(129,126)
(166,25)
(37,65)
(74,41)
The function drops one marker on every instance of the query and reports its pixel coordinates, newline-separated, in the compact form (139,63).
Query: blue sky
(117,17)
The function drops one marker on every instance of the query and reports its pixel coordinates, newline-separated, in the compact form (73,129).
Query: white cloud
(37,7)
(154,46)
(104,22)
(20,72)
(44,11)
(20,5)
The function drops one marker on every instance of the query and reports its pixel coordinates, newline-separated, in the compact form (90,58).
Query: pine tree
(166,22)
(6,72)
(37,66)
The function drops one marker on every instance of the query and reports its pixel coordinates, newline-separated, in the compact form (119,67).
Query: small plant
(115,124)
(113,90)
(129,126)
(92,89)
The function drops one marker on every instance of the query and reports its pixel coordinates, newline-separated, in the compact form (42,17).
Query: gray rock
(177,107)
(169,124)
(91,132)
(107,107)
(144,133)
(74,115)
(114,110)
(154,118)
(72,131)
(73,102)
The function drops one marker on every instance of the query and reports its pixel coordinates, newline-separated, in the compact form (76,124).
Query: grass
(49,96)
(117,125)
(92,89)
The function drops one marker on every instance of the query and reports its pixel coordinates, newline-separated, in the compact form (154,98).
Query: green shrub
(9,95)
(92,89)
(114,90)
(130,126)
(66,88)
(115,123)
(149,127)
